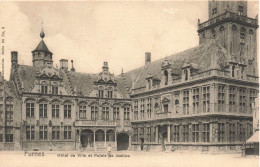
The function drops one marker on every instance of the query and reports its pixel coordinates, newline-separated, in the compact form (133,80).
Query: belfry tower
(228,23)
(41,55)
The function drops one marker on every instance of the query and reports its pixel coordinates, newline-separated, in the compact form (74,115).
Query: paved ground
(149,159)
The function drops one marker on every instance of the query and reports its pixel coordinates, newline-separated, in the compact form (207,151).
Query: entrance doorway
(122,141)
(163,135)
(87,138)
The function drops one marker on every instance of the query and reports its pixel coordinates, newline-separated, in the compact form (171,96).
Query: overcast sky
(93,32)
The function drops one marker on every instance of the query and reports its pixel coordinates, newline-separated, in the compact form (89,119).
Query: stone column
(115,140)
(156,134)
(94,139)
(105,138)
(169,134)
(130,141)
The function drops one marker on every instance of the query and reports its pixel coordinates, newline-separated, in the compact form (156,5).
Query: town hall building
(197,100)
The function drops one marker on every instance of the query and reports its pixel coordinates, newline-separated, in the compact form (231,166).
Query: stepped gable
(210,55)
(27,75)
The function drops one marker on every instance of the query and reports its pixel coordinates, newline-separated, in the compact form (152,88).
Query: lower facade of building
(195,134)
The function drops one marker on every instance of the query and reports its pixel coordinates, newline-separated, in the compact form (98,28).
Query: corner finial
(42,35)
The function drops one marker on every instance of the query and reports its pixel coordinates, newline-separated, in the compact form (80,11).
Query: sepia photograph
(129,83)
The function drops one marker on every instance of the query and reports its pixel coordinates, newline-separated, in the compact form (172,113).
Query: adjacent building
(197,100)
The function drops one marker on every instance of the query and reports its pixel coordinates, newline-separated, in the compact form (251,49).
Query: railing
(201,75)
(95,123)
(228,16)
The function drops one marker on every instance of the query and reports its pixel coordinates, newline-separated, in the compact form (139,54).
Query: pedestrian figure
(109,149)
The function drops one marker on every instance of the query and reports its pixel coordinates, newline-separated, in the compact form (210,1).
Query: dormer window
(233,71)
(214,12)
(110,94)
(240,10)
(149,84)
(165,108)
(186,74)
(101,93)
(55,89)
(44,88)
(166,77)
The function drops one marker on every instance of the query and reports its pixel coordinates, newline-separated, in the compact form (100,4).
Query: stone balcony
(110,123)
(228,17)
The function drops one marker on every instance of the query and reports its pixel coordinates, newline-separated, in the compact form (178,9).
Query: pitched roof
(206,56)
(42,47)
(27,75)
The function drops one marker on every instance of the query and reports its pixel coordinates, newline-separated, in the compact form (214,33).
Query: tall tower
(41,55)
(228,23)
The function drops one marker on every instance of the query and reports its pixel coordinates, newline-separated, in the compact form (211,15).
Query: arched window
(166,77)
(177,106)
(233,71)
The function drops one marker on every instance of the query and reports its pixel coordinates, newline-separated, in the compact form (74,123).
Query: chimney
(64,64)
(72,67)
(147,57)
(105,66)
(14,57)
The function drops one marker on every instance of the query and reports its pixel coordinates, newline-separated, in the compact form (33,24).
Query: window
(29,109)
(44,88)
(55,111)
(241,132)
(240,10)
(126,113)
(195,133)
(55,132)
(149,110)
(83,111)
(205,132)
(142,109)
(30,133)
(166,77)
(116,113)
(110,94)
(221,132)
(43,110)
(253,96)
(1,134)
(214,12)
(149,84)
(67,132)
(186,74)
(177,106)
(149,134)
(9,112)
(43,132)
(185,102)
(105,112)
(206,99)
(250,130)
(94,112)
(100,93)
(221,98)
(242,100)
(185,133)
(233,71)
(55,90)
(176,132)
(232,99)
(1,111)
(9,134)
(142,131)
(67,111)
(136,110)
(232,132)
(135,139)
(165,108)
(195,99)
